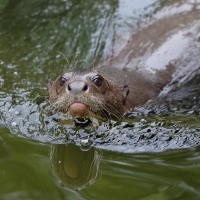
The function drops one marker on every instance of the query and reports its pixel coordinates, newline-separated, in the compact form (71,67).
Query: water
(26,173)
(34,161)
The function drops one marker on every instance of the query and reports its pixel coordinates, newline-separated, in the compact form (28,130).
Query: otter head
(85,93)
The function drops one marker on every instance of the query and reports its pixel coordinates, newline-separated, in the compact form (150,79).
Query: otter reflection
(74,168)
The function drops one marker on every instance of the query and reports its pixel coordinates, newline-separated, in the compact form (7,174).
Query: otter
(94,92)
(157,58)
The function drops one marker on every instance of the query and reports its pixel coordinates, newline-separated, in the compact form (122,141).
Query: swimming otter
(85,92)
(153,58)
(88,92)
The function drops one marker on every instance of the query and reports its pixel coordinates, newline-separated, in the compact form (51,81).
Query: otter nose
(77,86)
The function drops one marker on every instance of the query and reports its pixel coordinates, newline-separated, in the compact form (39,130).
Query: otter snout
(77,87)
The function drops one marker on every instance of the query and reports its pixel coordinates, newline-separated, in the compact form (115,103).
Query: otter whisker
(65,58)
(73,66)
(106,62)
(113,111)
(109,111)
(103,114)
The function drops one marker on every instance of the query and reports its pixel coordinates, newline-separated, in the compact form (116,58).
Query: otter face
(83,93)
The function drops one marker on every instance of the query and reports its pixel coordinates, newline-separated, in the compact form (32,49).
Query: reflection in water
(75,168)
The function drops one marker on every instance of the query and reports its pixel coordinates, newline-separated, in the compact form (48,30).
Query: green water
(26,174)
(31,166)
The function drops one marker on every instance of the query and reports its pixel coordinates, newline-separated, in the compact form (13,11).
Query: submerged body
(156,59)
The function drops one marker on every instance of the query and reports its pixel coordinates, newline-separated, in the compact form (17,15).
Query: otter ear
(49,85)
(125,90)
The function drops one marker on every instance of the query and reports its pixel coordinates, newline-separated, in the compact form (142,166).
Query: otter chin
(78,109)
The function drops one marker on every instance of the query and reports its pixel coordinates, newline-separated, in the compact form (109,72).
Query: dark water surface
(155,155)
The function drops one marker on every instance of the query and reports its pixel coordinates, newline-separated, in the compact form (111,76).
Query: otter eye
(62,81)
(97,80)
